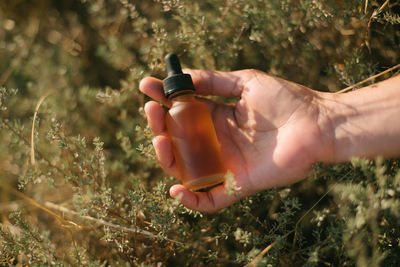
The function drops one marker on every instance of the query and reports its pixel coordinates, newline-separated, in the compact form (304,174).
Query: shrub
(80,184)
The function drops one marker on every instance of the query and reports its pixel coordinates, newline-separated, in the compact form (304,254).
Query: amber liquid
(194,142)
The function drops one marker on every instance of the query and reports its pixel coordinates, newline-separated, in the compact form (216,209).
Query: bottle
(191,130)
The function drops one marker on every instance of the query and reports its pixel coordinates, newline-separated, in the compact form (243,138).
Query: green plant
(84,188)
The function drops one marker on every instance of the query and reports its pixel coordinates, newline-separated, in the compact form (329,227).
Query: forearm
(365,123)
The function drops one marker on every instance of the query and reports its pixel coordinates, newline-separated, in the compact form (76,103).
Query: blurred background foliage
(79,183)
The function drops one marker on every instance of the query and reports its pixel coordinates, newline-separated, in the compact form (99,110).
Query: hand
(270,137)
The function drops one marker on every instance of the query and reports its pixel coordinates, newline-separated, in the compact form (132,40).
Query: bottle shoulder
(187,105)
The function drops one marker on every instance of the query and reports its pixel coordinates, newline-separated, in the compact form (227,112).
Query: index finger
(219,83)
(153,87)
(206,82)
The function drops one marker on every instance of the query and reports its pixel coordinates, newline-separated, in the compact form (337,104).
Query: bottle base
(205,182)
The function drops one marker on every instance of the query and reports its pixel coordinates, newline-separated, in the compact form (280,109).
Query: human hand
(270,137)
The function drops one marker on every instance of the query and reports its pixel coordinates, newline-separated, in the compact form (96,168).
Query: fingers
(155,117)
(208,202)
(206,82)
(153,87)
(162,145)
(229,84)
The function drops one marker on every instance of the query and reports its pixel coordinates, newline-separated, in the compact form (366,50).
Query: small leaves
(4,95)
(93,148)
(231,186)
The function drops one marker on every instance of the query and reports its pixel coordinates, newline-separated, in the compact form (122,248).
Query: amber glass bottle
(191,130)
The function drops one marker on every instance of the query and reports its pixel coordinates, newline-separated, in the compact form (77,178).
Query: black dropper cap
(176,80)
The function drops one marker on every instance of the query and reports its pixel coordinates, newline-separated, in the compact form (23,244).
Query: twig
(268,248)
(99,221)
(368,79)
(383,5)
(33,127)
(307,212)
(379,10)
(103,222)
(70,224)
(313,206)
(26,141)
(64,223)
(265,251)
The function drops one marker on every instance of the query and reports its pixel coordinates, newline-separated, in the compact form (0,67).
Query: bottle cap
(176,79)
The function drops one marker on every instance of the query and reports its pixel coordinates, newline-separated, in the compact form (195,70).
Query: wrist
(363,123)
(338,139)
(326,121)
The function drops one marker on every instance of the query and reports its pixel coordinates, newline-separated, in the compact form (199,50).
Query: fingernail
(154,141)
(174,193)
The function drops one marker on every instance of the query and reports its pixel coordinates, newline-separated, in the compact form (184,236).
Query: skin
(277,129)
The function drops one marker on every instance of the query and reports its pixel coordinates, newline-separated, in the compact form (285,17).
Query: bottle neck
(181,95)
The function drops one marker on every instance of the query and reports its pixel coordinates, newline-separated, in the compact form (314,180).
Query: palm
(268,145)
(267,138)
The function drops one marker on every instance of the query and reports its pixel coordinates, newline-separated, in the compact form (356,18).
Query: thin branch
(41,155)
(307,212)
(60,220)
(265,251)
(383,5)
(99,221)
(33,127)
(368,79)
(268,248)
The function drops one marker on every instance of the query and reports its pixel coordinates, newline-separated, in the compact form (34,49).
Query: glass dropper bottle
(191,130)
